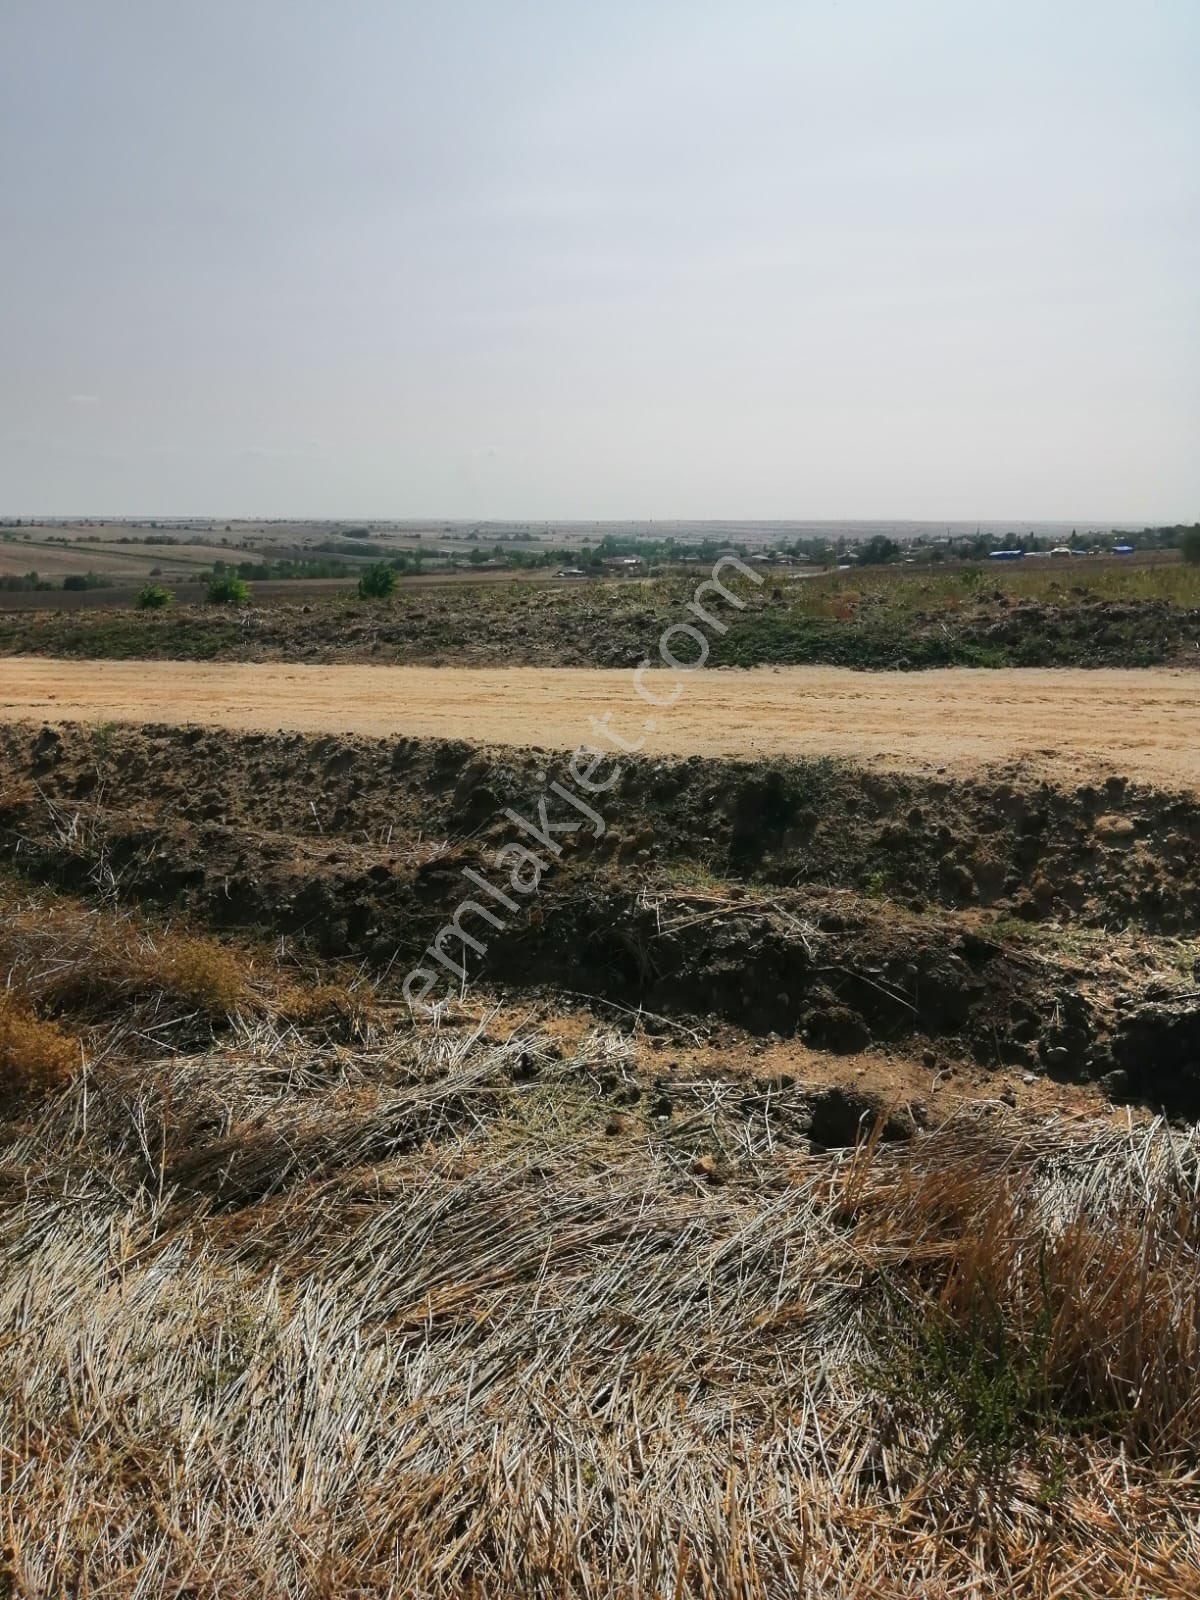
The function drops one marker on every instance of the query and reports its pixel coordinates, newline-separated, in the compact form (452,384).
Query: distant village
(878,550)
(41,555)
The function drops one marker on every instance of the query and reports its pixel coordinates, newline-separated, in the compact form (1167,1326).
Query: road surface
(1064,723)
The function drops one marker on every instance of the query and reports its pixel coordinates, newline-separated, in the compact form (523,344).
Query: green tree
(154,598)
(376,582)
(1190,545)
(228,592)
(878,550)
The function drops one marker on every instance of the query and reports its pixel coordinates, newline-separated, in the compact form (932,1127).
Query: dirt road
(1069,724)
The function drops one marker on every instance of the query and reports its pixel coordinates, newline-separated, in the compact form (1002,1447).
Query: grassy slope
(1135,615)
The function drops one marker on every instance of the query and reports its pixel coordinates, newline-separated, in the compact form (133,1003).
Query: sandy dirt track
(1064,723)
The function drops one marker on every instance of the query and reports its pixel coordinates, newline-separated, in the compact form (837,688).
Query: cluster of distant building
(615,564)
(1060,550)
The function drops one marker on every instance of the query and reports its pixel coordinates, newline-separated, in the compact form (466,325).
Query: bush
(377,582)
(154,598)
(228,592)
(1191,546)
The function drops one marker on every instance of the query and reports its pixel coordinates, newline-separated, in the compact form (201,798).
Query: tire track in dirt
(1062,723)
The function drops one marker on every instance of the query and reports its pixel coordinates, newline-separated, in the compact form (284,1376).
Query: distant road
(1066,723)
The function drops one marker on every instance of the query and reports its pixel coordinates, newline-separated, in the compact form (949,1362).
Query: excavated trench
(849,908)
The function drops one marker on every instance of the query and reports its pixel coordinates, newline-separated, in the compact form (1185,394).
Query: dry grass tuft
(64,955)
(351,1009)
(1012,1313)
(35,1056)
(199,971)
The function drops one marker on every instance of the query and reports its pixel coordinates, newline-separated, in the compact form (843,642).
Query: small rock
(705,1167)
(525,1068)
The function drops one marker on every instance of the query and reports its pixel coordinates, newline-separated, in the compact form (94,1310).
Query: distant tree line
(14,583)
(267,571)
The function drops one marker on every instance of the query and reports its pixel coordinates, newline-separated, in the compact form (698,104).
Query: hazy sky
(927,258)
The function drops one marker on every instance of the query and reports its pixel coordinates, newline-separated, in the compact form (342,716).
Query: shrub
(228,592)
(154,598)
(1191,546)
(377,581)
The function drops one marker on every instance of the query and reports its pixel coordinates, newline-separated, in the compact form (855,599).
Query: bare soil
(1067,725)
(1015,929)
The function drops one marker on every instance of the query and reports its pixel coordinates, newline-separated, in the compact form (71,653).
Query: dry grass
(1087,1316)
(903,593)
(350,1007)
(36,1056)
(64,955)
(285,1319)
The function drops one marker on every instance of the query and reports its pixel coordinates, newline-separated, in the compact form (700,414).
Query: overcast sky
(601,258)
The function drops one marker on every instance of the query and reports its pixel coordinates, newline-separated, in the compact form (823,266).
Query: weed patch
(1012,1323)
